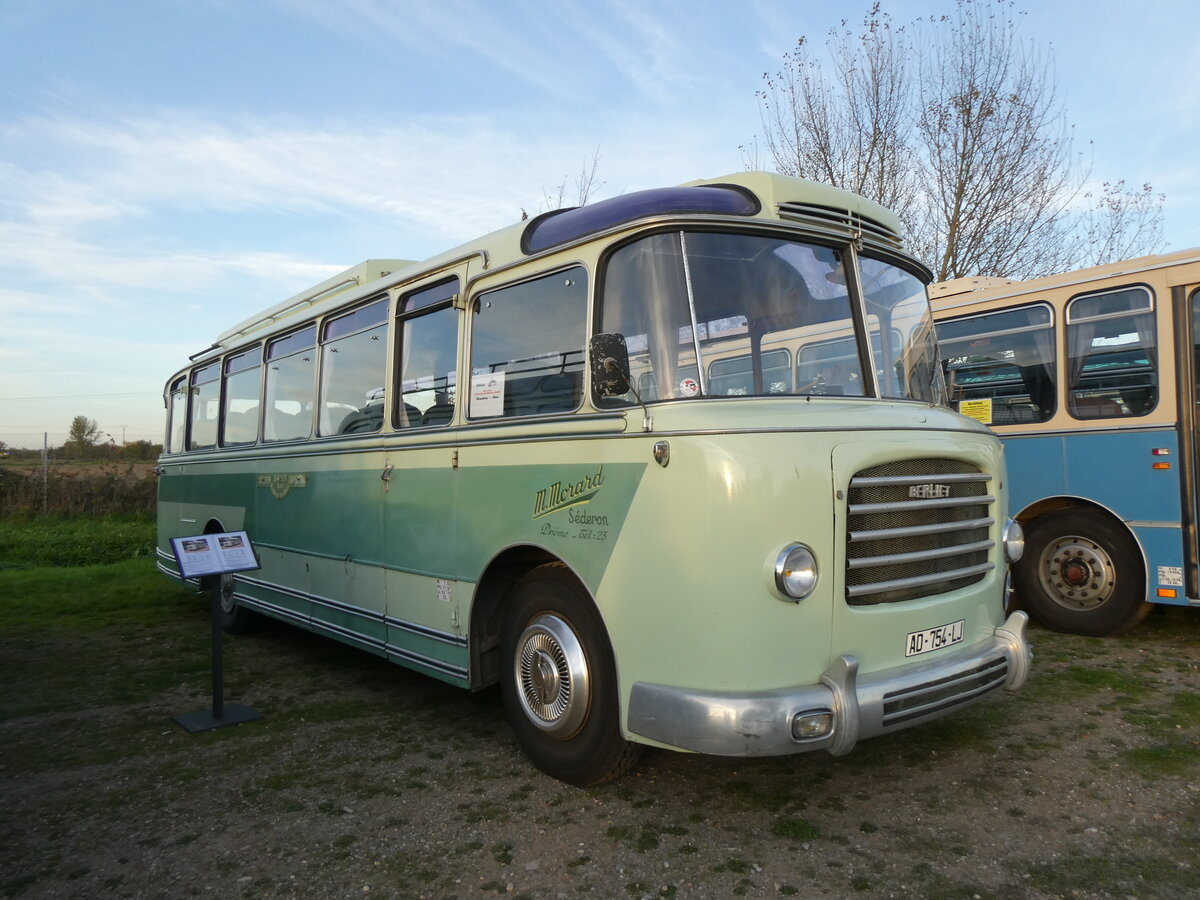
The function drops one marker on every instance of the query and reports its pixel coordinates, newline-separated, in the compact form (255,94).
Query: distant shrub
(78,490)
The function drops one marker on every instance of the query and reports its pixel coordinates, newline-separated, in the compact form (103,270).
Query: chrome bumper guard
(760,724)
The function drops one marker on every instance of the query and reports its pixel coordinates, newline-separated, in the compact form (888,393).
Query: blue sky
(168,167)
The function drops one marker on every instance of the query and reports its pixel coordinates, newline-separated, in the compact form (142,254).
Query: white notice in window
(487,394)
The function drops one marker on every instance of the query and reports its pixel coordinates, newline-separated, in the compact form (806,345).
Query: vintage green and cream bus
(673,469)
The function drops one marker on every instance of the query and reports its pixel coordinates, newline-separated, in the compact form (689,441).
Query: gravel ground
(364,780)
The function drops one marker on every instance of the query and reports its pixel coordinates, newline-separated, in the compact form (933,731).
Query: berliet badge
(281,483)
(929,491)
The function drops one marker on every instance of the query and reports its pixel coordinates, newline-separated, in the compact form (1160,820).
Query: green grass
(1174,758)
(795,830)
(1146,875)
(56,541)
(77,600)
(120,633)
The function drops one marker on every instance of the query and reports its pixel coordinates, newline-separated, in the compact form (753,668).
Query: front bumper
(760,724)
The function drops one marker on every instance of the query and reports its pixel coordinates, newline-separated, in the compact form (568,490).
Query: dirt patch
(365,780)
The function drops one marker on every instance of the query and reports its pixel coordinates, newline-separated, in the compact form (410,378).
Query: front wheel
(1081,573)
(559,681)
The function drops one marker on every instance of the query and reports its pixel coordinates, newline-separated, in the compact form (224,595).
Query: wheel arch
(489,602)
(1039,508)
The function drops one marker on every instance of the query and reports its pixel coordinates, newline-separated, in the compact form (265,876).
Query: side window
(1196,341)
(1112,355)
(734,377)
(243,376)
(205,407)
(428,355)
(353,362)
(177,427)
(832,367)
(898,306)
(290,386)
(1001,366)
(527,347)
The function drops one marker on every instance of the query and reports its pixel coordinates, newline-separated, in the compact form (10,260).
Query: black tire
(235,618)
(1081,573)
(559,681)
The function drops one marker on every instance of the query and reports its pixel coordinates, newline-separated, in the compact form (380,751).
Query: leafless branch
(955,123)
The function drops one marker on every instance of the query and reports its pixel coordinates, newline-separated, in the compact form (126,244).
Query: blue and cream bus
(1090,379)
(672,469)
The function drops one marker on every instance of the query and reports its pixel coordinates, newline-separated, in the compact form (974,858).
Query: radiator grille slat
(916,528)
(899,558)
(945,693)
(862,509)
(919,581)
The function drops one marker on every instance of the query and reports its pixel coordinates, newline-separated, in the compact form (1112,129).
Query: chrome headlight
(795,572)
(1014,540)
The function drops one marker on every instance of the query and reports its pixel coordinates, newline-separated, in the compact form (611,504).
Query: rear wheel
(1081,573)
(559,681)
(235,618)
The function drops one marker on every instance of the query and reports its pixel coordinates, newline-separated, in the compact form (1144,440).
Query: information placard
(214,554)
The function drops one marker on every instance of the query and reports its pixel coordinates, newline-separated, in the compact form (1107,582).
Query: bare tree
(997,168)
(848,128)
(586,183)
(1121,223)
(955,124)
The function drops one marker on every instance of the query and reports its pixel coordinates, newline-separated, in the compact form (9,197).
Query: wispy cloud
(579,52)
(496,34)
(143,235)
(441,179)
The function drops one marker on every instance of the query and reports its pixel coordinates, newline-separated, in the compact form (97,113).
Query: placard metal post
(211,556)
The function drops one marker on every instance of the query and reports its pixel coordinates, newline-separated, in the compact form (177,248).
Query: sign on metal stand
(212,556)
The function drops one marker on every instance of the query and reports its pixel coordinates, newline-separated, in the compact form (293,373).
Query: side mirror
(609,358)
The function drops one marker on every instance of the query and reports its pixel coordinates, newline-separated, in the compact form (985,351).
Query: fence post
(45,472)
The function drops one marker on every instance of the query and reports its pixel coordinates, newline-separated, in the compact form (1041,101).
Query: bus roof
(794,199)
(982,288)
(365,272)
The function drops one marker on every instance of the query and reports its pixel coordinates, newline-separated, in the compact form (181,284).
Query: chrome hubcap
(552,676)
(228,604)
(1077,573)
(544,678)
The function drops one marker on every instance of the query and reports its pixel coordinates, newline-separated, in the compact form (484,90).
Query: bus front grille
(916,528)
(921,700)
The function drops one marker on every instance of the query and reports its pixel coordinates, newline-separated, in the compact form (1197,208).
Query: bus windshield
(716,314)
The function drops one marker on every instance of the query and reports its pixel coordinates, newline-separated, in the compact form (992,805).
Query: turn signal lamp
(808,726)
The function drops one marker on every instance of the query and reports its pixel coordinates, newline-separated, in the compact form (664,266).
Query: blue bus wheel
(1081,573)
